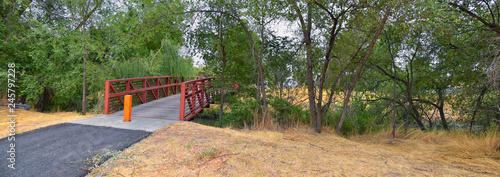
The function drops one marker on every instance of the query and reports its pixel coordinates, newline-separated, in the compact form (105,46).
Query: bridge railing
(143,90)
(195,95)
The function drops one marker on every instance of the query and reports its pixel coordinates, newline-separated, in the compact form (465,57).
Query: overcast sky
(280,28)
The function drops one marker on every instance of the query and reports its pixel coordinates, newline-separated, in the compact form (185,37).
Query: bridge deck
(165,108)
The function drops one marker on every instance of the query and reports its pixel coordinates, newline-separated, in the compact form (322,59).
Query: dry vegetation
(190,149)
(30,120)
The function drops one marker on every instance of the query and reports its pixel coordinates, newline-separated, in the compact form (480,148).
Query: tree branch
(391,76)
(493,26)
(427,101)
(210,11)
(326,10)
(87,16)
(491,12)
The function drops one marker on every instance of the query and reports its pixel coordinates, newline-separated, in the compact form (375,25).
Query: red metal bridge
(161,97)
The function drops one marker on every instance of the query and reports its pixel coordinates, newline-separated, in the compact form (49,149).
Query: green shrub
(360,118)
(285,113)
(241,113)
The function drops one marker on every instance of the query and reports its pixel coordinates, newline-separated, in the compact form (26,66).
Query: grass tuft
(207,153)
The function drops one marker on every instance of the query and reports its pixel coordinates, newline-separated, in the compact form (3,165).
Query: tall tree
(360,69)
(233,11)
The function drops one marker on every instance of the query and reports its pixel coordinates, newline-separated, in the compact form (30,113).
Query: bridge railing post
(144,92)
(202,94)
(106,98)
(183,101)
(158,89)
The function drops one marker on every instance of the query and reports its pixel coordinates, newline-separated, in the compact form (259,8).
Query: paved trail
(62,149)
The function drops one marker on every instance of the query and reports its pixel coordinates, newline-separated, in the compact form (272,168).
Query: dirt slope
(190,149)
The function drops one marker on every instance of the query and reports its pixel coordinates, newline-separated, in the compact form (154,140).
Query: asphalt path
(62,149)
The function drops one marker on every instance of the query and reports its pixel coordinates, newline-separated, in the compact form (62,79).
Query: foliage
(242,112)
(48,43)
(363,118)
(431,56)
(286,114)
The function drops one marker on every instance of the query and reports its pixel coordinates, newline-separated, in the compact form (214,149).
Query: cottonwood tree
(331,20)
(85,10)
(233,10)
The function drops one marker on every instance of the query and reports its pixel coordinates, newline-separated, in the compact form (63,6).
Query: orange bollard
(127,110)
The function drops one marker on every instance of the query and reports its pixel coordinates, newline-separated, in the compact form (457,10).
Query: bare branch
(491,12)
(87,16)
(493,26)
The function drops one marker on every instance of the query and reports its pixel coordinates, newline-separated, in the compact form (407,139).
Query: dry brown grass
(30,120)
(190,149)
(298,95)
(478,154)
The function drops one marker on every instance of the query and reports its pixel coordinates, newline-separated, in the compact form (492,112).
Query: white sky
(279,28)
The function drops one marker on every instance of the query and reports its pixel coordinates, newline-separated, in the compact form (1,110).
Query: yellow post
(127,110)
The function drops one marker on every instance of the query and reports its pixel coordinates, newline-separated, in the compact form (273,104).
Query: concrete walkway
(146,124)
(165,108)
(149,116)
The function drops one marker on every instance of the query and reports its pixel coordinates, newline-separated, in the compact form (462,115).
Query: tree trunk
(306,31)
(44,100)
(394,100)
(311,90)
(393,126)
(411,107)
(221,111)
(478,104)
(333,35)
(224,60)
(440,108)
(259,63)
(407,120)
(281,90)
(429,118)
(258,87)
(263,87)
(358,74)
(410,94)
(84,111)
(83,84)
(443,119)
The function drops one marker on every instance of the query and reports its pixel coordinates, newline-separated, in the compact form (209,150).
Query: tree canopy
(354,65)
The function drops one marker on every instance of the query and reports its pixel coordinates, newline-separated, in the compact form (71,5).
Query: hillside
(189,149)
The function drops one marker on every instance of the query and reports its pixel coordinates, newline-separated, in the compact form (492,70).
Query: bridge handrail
(194,97)
(122,87)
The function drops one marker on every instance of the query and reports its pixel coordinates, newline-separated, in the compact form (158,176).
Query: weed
(207,152)
(189,144)
(186,161)
(98,159)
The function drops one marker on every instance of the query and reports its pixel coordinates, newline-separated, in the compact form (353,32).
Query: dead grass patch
(456,149)
(190,149)
(30,120)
